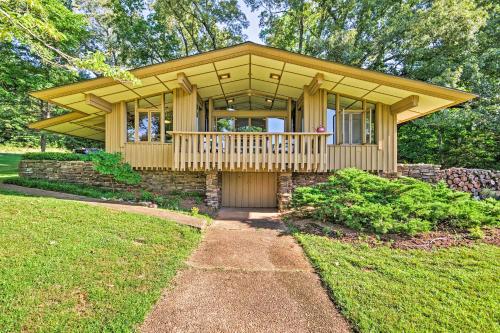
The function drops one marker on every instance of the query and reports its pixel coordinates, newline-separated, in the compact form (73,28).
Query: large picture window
(147,117)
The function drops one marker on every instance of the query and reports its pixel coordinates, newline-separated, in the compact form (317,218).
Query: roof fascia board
(57,120)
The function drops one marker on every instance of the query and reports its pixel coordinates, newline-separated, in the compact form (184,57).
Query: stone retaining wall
(478,182)
(81,172)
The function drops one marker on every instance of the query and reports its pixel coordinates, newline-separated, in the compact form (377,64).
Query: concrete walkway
(116,205)
(246,276)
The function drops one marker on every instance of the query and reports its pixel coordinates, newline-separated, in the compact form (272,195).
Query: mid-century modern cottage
(245,124)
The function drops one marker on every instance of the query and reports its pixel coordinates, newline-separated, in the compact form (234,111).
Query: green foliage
(104,163)
(56,156)
(52,32)
(9,164)
(380,289)
(250,129)
(367,202)
(112,164)
(476,233)
(466,137)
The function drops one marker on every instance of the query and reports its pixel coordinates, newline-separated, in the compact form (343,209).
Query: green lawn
(386,290)
(8,164)
(69,267)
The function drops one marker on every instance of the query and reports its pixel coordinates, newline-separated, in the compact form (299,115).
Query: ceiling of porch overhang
(250,69)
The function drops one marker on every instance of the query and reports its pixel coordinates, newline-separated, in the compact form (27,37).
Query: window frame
(368,116)
(156,109)
(350,113)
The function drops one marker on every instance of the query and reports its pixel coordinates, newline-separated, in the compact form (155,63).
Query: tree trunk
(45,113)
(301,28)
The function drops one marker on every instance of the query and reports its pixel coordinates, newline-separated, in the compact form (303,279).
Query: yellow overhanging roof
(271,72)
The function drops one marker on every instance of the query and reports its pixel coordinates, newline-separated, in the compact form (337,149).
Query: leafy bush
(367,202)
(112,164)
(104,163)
(55,156)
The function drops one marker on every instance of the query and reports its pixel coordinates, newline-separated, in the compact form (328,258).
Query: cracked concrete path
(115,205)
(248,275)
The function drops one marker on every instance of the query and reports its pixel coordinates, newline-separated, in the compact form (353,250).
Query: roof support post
(183,81)
(315,83)
(404,104)
(98,103)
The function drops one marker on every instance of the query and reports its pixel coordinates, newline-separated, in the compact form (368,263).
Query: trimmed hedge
(54,156)
(366,202)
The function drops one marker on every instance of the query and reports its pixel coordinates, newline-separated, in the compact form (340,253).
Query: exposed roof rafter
(315,84)
(98,103)
(405,104)
(183,81)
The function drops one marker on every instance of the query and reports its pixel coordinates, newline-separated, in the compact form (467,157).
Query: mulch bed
(425,241)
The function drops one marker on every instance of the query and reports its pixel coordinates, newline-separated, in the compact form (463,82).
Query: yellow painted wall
(185,106)
(115,128)
(314,110)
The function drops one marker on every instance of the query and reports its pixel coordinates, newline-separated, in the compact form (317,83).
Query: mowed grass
(69,267)
(9,164)
(387,290)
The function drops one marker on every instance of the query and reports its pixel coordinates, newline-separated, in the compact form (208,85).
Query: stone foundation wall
(285,189)
(213,197)
(308,178)
(430,173)
(475,181)
(80,172)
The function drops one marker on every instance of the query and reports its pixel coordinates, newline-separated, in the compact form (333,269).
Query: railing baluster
(238,151)
(269,152)
(227,150)
(245,153)
(189,143)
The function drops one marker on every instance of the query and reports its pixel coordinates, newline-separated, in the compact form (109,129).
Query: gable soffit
(250,68)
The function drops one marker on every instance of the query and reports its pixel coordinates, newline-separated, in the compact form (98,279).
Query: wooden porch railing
(250,150)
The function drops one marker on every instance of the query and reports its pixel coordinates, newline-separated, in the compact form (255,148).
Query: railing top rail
(253,133)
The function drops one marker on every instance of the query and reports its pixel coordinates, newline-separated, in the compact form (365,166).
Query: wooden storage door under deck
(249,189)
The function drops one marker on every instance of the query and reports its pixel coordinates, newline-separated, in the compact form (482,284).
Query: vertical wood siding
(148,155)
(185,106)
(314,110)
(381,156)
(249,189)
(115,128)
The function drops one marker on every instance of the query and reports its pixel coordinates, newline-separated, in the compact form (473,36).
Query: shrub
(112,164)
(53,156)
(104,163)
(366,202)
